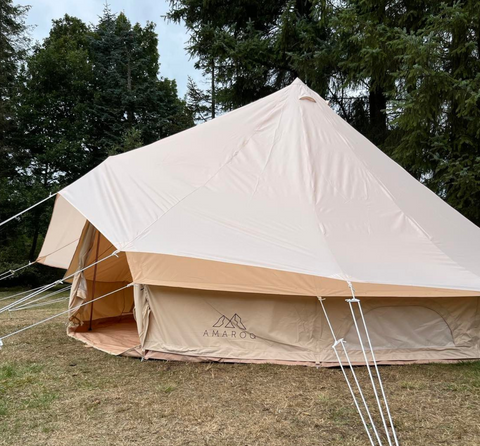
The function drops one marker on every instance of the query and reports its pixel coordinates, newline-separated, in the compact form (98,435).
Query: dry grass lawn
(55,391)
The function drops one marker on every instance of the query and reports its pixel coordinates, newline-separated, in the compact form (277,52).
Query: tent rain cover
(246,219)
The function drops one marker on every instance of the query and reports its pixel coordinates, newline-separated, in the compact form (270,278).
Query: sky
(175,63)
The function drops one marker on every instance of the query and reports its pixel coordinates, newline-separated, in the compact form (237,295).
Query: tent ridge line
(274,143)
(314,192)
(392,197)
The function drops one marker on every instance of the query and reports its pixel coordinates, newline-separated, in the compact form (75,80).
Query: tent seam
(231,158)
(385,189)
(314,192)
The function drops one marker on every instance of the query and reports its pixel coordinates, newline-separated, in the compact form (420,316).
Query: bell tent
(232,230)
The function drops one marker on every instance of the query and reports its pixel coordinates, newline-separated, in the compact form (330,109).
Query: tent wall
(176,323)
(63,235)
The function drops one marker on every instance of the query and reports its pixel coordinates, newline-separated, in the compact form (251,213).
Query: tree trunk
(33,247)
(378,119)
(213,89)
(130,115)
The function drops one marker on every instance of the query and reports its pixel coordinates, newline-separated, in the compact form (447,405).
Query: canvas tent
(230,231)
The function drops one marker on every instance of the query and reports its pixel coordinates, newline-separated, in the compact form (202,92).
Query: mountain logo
(234,322)
(229,327)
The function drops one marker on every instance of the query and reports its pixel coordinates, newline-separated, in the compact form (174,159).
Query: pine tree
(254,48)
(437,102)
(13,47)
(14,41)
(129,95)
(200,102)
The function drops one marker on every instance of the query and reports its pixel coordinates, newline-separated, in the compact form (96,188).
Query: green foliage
(84,93)
(405,73)
(436,104)
(255,48)
(199,102)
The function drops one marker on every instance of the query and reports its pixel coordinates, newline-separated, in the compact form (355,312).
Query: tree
(84,93)
(14,42)
(129,96)
(53,114)
(251,49)
(13,48)
(437,104)
(200,102)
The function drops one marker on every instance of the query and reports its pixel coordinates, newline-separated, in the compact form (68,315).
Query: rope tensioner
(12,272)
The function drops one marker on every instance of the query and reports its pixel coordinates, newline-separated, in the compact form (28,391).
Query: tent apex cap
(297,81)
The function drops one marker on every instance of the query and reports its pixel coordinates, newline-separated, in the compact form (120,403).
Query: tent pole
(94,280)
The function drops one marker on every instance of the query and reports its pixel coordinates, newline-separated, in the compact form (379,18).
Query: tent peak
(297,81)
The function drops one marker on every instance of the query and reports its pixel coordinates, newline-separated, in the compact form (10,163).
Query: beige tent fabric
(79,290)
(282,184)
(62,236)
(113,269)
(115,305)
(141,312)
(250,327)
(119,338)
(175,271)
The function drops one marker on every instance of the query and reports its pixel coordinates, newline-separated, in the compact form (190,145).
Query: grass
(54,391)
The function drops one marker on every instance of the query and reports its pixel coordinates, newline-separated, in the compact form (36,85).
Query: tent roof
(283,183)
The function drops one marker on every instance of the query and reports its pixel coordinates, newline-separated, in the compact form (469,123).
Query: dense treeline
(84,93)
(405,73)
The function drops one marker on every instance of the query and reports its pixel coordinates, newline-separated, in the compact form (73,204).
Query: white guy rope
(42,304)
(384,396)
(22,292)
(334,346)
(30,296)
(60,314)
(367,363)
(28,209)
(6,272)
(54,293)
(51,285)
(14,271)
